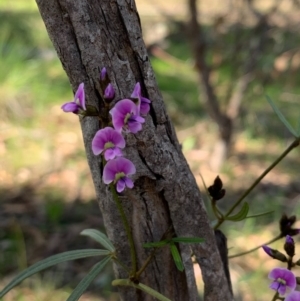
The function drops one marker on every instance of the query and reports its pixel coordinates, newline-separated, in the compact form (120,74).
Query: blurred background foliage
(46,192)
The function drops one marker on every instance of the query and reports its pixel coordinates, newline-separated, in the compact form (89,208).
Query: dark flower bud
(285,225)
(216,191)
(289,246)
(275,254)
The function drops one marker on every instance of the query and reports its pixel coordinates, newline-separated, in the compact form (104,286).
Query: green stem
(120,263)
(127,229)
(256,248)
(257,181)
(216,211)
(275,297)
(146,263)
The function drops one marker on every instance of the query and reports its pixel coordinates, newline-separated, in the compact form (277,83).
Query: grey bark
(89,35)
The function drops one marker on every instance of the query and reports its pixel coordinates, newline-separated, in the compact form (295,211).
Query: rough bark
(89,35)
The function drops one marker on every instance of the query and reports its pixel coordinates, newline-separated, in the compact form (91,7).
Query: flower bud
(289,246)
(285,225)
(275,254)
(109,93)
(104,79)
(216,190)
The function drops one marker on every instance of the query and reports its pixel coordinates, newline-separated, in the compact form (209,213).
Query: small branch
(256,248)
(209,95)
(294,144)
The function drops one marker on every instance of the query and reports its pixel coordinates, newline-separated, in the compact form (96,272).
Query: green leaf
(99,237)
(50,261)
(281,116)
(88,279)
(176,257)
(142,287)
(157,244)
(259,214)
(242,214)
(298,128)
(187,240)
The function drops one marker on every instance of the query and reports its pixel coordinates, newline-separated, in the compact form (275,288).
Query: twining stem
(146,263)
(120,263)
(275,297)
(256,248)
(294,144)
(127,229)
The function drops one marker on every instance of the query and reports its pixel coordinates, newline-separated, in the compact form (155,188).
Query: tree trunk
(89,35)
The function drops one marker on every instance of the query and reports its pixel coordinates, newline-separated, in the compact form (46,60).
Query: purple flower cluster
(109,141)
(284,280)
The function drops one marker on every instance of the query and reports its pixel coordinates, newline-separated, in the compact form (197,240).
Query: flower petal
(70,107)
(293,296)
(111,153)
(128,182)
(80,95)
(136,91)
(120,185)
(134,126)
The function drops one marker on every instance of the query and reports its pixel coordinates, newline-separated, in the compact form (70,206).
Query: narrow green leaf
(88,279)
(281,116)
(176,257)
(142,287)
(50,261)
(298,128)
(99,237)
(156,244)
(259,214)
(242,214)
(187,240)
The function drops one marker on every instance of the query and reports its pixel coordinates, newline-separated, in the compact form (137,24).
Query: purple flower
(284,281)
(125,116)
(78,104)
(109,93)
(109,141)
(143,103)
(293,296)
(117,171)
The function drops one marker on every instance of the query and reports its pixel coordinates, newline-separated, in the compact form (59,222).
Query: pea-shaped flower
(78,104)
(116,171)
(284,281)
(293,296)
(125,116)
(143,102)
(108,141)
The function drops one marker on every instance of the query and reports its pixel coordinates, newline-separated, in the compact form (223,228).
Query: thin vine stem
(121,264)
(146,263)
(275,297)
(293,145)
(256,248)
(127,229)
